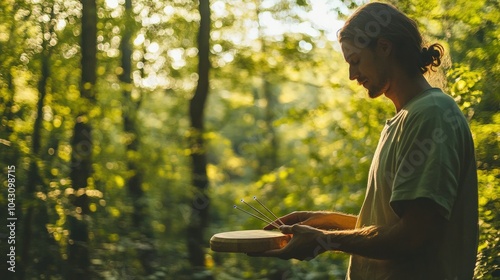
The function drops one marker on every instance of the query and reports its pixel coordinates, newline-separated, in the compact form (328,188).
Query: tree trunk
(34,178)
(6,114)
(271,154)
(81,157)
(36,216)
(140,216)
(199,207)
(269,157)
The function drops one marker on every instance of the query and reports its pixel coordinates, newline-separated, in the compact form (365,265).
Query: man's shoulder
(433,103)
(432,98)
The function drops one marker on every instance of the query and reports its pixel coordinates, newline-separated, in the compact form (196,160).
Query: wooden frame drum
(248,241)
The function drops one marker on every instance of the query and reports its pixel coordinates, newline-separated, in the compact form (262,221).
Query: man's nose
(353,73)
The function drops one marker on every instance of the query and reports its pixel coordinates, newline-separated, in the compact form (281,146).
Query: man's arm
(420,226)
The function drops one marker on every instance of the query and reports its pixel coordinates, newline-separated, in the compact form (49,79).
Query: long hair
(380,20)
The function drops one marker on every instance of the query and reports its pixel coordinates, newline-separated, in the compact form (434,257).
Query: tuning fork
(262,216)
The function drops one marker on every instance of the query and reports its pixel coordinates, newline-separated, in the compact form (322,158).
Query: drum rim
(271,234)
(241,245)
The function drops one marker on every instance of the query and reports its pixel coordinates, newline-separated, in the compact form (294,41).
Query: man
(419,219)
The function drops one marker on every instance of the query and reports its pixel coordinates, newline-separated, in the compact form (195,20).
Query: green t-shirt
(425,151)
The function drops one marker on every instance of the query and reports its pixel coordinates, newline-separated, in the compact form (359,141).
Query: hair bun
(431,57)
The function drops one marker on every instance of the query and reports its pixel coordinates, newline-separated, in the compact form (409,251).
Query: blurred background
(135,125)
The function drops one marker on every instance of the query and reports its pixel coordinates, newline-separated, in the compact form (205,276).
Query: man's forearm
(371,242)
(419,227)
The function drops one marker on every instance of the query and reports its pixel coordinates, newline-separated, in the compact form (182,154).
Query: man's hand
(318,219)
(307,243)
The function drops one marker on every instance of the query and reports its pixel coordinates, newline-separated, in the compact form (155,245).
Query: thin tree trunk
(140,216)
(81,158)
(36,216)
(34,177)
(6,116)
(269,159)
(271,155)
(199,218)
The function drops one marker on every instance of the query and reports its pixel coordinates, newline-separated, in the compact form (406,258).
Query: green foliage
(488,263)
(463,87)
(487,140)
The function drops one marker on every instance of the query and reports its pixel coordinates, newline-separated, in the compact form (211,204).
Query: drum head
(248,241)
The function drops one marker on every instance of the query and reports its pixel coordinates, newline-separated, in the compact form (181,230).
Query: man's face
(367,67)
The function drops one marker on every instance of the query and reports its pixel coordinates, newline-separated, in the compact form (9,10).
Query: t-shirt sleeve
(428,163)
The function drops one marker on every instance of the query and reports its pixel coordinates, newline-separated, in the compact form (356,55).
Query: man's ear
(384,47)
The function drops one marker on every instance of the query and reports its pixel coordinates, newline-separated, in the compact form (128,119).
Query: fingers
(286,229)
(296,248)
(289,219)
(291,229)
(297,229)
(276,222)
(292,218)
(278,253)
(270,226)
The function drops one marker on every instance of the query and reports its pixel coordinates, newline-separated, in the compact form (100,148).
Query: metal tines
(261,216)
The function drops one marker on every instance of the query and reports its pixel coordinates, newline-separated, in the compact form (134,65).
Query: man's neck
(402,89)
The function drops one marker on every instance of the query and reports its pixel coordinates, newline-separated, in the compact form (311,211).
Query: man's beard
(377,90)
(374,93)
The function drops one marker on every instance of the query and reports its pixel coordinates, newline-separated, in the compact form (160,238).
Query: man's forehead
(348,48)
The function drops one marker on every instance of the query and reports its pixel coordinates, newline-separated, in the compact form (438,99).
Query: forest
(130,128)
